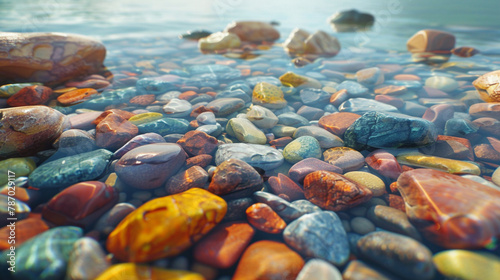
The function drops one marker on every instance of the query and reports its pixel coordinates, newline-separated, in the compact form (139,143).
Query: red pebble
(114,131)
(32,95)
(285,187)
(264,218)
(384,163)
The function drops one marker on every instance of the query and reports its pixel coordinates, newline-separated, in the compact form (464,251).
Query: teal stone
(165,126)
(389,130)
(159,85)
(45,256)
(302,148)
(109,97)
(70,170)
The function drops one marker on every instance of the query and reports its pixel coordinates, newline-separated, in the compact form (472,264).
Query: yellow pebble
(372,182)
(444,164)
(132,271)
(145,118)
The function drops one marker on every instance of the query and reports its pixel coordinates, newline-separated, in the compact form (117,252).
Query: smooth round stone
(268,95)
(370,76)
(311,113)
(372,182)
(94,199)
(262,117)
(245,131)
(384,163)
(345,158)
(485,110)
(283,131)
(459,127)
(337,123)
(141,271)
(314,97)
(285,187)
(444,164)
(467,265)
(147,233)
(18,166)
(109,220)
(44,256)
(29,129)
(66,171)
(264,157)
(164,126)
(301,148)
(332,191)
(389,130)
(219,41)
(75,141)
(353,89)
(223,246)
(455,214)
(292,119)
(206,118)
(84,120)
(292,79)
(149,166)
(319,235)
(87,260)
(300,170)
(263,218)
(114,131)
(487,86)
(139,140)
(326,139)
(268,260)
(393,220)
(225,106)
(361,225)
(235,176)
(398,254)
(176,108)
(211,129)
(363,105)
(358,270)
(319,269)
(413,109)
(49,58)
(443,83)
(238,93)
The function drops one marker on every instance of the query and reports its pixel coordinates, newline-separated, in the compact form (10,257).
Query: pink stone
(385,163)
(300,170)
(439,114)
(84,120)
(285,187)
(449,210)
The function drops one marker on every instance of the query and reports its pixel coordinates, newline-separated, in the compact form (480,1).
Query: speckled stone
(268,95)
(444,164)
(264,157)
(488,86)
(456,215)
(326,139)
(393,220)
(87,260)
(467,265)
(245,131)
(149,166)
(301,148)
(389,130)
(319,235)
(75,141)
(372,182)
(70,170)
(345,158)
(235,176)
(398,254)
(45,256)
(300,170)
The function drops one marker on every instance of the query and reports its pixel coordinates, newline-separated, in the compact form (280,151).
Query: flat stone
(314,97)
(164,126)
(363,105)
(264,157)
(253,31)
(300,170)
(292,79)
(353,89)
(149,166)
(485,110)
(389,130)
(332,191)
(455,209)
(319,235)
(301,148)
(292,119)
(285,187)
(269,260)
(146,234)
(488,126)
(337,123)
(345,158)
(398,254)
(76,96)
(444,164)
(225,106)
(439,114)
(66,171)
(283,208)
(177,108)
(393,220)
(467,265)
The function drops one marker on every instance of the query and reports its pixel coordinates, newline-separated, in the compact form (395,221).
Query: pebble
(314,97)
(66,171)
(9,90)
(488,86)
(431,45)
(319,235)
(267,259)
(444,164)
(224,245)
(139,140)
(135,239)
(245,131)
(29,129)
(292,119)
(30,95)
(353,89)
(264,157)
(49,58)
(198,142)
(326,139)
(141,271)
(20,210)
(177,108)
(442,83)
(372,182)
(301,148)
(340,194)
(351,21)
(370,76)
(150,166)
(253,31)
(389,130)
(485,110)
(32,262)
(322,44)
(467,265)
(291,79)
(164,126)
(75,141)
(457,205)
(268,95)
(285,187)
(261,117)
(398,254)
(300,170)
(358,270)
(361,225)
(384,163)
(363,105)
(113,132)
(219,41)
(235,177)
(109,220)
(87,260)
(319,269)
(76,96)
(345,158)
(263,218)
(393,220)
(18,166)
(337,123)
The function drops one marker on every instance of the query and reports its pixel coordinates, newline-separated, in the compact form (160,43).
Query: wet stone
(30,95)
(337,123)
(9,90)
(384,163)
(87,260)
(114,131)
(439,163)
(75,141)
(109,220)
(145,235)
(351,21)
(392,220)
(370,76)
(485,110)
(245,131)
(268,95)
(372,182)
(450,147)
(310,113)
(282,207)
(459,127)
(25,229)
(319,269)
(139,271)
(158,85)
(345,158)
(358,270)
(488,86)
(442,83)
(18,166)
(149,166)
(236,209)
(292,79)
(467,265)
(236,178)
(389,130)
(319,235)
(21,210)
(70,170)
(164,126)
(219,41)
(177,108)
(353,89)
(314,97)
(253,31)
(488,126)
(262,117)
(46,255)
(300,170)
(198,142)
(225,106)
(332,191)
(398,254)
(292,119)
(301,148)
(139,140)
(260,156)
(263,218)
(431,45)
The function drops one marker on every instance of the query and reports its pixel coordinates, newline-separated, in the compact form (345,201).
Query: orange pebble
(264,218)
(76,96)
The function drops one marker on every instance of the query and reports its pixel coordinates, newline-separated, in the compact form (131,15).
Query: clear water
(474,23)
